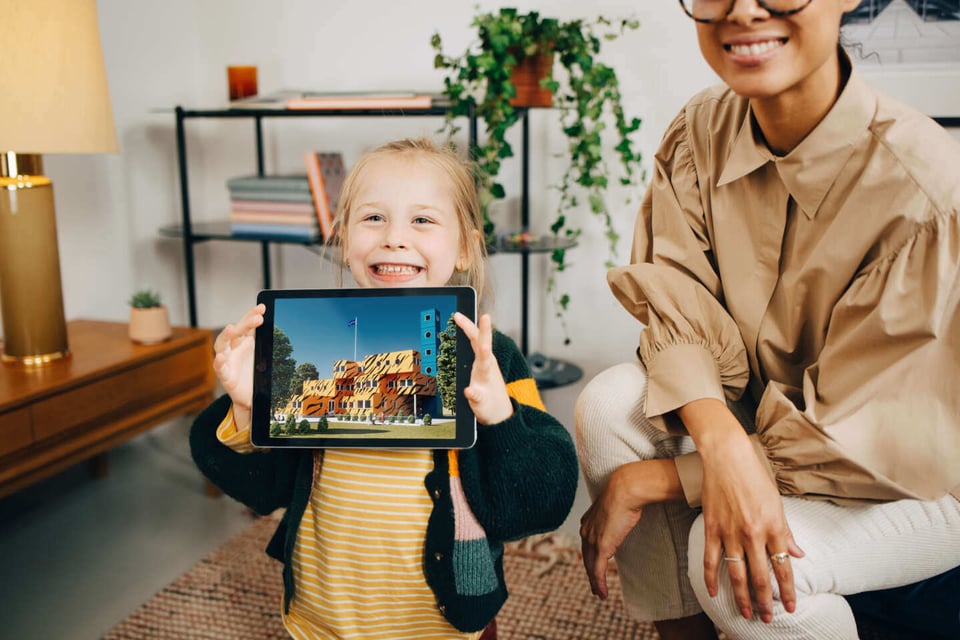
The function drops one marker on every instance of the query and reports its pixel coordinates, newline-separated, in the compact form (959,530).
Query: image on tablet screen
(364,368)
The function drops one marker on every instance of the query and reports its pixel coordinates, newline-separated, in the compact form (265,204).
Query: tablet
(372,368)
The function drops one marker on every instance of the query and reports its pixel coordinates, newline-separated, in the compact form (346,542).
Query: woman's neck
(785,120)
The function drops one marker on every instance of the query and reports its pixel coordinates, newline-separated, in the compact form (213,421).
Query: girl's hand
(743,518)
(487,392)
(233,362)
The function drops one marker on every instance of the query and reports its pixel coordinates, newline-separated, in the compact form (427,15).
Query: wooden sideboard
(107,391)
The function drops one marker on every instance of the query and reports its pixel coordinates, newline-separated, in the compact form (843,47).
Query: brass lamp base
(31,297)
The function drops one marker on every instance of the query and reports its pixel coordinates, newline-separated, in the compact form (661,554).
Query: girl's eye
(373,217)
(422,220)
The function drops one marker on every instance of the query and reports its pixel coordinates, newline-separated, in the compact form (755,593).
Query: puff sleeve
(691,347)
(881,405)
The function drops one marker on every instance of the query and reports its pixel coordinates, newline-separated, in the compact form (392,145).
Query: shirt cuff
(690,470)
(228,434)
(678,375)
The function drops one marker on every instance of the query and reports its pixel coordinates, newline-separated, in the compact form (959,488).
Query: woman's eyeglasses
(717,10)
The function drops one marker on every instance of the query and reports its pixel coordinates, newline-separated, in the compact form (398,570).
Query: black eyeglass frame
(762,3)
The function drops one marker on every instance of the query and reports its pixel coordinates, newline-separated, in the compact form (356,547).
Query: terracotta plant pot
(526,78)
(150,325)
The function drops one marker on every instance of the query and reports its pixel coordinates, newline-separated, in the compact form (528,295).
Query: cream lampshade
(53,99)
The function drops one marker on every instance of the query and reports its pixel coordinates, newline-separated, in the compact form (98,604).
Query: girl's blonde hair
(465,199)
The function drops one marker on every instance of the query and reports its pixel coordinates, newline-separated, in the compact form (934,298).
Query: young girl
(798,243)
(399,544)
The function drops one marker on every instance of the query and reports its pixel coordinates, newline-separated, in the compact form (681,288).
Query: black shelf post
(185,219)
(524,227)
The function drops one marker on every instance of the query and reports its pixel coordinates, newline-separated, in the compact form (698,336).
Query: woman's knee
(612,395)
(612,400)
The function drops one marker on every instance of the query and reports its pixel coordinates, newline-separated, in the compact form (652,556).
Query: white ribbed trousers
(848,549)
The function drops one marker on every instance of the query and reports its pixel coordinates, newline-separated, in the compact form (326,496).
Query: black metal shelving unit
(192,233)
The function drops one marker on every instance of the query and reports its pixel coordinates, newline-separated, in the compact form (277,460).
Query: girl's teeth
(754,49)
(396,268)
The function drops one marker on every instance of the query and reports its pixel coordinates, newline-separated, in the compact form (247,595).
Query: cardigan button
(438,556)
(436,494)
(442,608)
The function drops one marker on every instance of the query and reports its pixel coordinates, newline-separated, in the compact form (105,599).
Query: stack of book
(273,206)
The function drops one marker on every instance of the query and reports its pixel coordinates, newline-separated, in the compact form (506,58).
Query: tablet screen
(373,368)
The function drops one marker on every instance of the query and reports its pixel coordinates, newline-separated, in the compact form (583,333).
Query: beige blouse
(827,281)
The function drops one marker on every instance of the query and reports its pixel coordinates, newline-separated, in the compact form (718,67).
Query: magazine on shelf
(298,99)
(273,100)
(384,100)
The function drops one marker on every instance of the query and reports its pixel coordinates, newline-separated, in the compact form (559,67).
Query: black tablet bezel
(464,300)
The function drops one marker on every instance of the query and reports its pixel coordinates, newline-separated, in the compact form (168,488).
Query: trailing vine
(587,95)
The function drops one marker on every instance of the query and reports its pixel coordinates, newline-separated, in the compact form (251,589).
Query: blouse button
(438,556)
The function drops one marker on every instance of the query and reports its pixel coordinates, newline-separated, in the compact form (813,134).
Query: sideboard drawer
(124,391)
(15,431)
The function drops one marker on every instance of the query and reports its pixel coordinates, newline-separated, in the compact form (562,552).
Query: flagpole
(355,323)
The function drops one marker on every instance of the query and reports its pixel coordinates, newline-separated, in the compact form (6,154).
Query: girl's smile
(395,273)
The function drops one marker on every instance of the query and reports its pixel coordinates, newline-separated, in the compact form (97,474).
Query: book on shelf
(269,206)
(325,172)
(251,195)
(260,217)
(268,183)
(284,231)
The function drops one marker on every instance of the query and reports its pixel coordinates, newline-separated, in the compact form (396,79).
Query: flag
(352,323)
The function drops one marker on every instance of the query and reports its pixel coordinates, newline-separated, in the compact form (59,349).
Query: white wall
(158,55)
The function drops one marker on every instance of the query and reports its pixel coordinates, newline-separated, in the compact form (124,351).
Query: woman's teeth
(755,48)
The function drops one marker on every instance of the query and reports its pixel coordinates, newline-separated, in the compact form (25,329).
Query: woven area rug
(235,593)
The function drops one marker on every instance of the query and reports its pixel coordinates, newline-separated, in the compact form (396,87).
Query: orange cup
(242,81)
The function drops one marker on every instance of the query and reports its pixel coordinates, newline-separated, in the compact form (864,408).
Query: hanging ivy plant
(587,94)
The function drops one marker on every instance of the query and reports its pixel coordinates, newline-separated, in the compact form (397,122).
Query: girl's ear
(463,260)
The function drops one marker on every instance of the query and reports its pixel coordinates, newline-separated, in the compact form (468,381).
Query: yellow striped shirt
(358,557)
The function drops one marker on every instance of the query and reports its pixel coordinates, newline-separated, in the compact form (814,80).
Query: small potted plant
(149,321)
(487,77)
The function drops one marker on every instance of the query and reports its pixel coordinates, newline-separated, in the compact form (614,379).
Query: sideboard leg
(99,466)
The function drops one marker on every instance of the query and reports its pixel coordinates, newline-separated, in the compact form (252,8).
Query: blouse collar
(811,168)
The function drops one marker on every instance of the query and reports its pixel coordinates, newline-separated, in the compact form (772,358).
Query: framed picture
(910,49)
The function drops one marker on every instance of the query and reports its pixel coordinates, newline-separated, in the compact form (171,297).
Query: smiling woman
(790,435)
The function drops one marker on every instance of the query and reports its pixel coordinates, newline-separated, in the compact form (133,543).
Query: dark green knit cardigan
(519,479)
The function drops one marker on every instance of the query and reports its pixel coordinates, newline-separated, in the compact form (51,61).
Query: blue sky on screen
(319,329)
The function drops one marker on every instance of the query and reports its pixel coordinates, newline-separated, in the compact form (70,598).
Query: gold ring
(781,557)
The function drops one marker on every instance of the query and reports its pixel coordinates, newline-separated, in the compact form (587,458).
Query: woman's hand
(616,511)
(233,362)
(742,513)
(487,392)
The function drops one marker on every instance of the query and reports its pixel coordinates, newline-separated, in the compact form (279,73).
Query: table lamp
(53,99)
